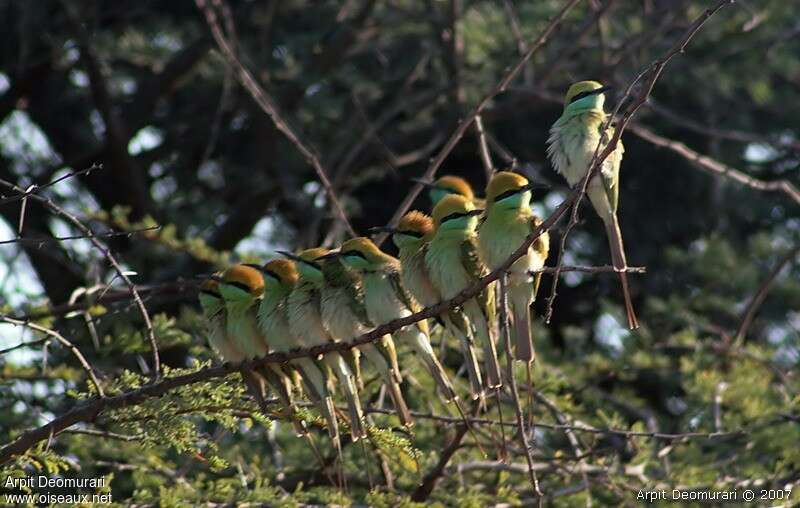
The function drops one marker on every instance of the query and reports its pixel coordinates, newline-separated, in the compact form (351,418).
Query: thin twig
(267,104)
(483,148)
(512,383)
(111,234)
(716,167)
(465,123)
(66,343)
(761,294)
(106,252)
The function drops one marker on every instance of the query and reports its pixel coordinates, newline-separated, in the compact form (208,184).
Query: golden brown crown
(456,185)
(284,269)
(416,222)
(246,277)
(580,87)
(504,181)
(450,204)
(312,254)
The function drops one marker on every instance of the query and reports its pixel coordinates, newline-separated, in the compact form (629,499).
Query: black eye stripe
(455,215)
(508,193)
(587,93)
(355,253)
(415,234)
(240,285)
(210,293)
(272,274)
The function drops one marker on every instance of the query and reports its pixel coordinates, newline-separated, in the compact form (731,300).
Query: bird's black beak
(215,278)
(602,89)
(289,255)
(533,186)
(331,255)
(474,213)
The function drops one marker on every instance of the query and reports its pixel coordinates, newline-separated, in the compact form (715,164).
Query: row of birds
(319,295)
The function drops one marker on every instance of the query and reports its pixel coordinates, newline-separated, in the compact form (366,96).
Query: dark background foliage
(376,88)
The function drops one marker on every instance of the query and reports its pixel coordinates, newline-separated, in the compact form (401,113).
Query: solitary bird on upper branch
(280,277)
(305,323)
(411,237)
(509,220)
(453,263)
(574,139)
(241,286)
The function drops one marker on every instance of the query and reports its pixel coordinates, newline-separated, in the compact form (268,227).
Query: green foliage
(371,86)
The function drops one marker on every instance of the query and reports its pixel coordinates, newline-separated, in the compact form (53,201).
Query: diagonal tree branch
(267,104)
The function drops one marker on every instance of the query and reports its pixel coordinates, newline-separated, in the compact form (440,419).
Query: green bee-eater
(305,324)
(386,299)
(573,141)
(453,263)
(411,237)
(280,277)
(241,286)
(450,184)
(345,317)
(508,221)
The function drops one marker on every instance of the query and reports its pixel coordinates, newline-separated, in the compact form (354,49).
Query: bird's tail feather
(384,367)
(520,299)
(318,391)
(282,386)
(345,377)
(491,363)
(458,327)
(618,260)
(419,341)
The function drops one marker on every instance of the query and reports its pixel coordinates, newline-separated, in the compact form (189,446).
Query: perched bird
(450,184)
(508,222)
(453,263)
(305,323)
(214,313)
(345,317)
(411,237)
(573,140)
(240,287)
(280,277)
(386,299)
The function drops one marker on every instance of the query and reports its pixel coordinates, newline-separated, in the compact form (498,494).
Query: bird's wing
(476,269)
(610,170)
(407,299)
(355,291)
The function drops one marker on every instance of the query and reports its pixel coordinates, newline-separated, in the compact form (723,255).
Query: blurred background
(377,87)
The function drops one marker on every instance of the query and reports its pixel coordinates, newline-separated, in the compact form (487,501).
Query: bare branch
(267,104)
(66,343)
(54,208)
(465,123)
(761,294)
(715,167)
